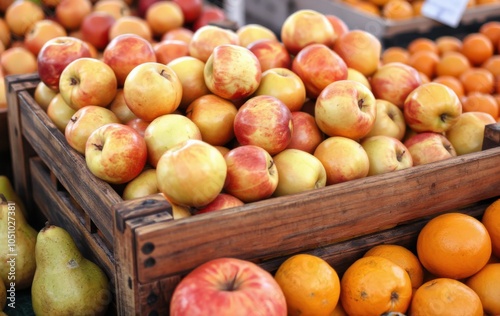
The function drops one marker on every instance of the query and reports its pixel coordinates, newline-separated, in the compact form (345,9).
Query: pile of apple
(242,116)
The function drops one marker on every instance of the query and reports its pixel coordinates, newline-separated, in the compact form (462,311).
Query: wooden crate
(145,252)
(4,131)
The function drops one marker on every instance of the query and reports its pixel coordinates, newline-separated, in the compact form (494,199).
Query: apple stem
(443,117)
(164,74)
(74,82)
(99,147)
(231,285)
(360,103)
(399,156)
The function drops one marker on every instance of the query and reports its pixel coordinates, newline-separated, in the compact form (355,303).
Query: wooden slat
(280,226)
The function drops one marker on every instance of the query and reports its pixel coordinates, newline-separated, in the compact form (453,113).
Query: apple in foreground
(344,159)
(143,185)
(88,81)
(432,107)
(467,134)
(115,153)
(298,171)
(192,173)
(389,120)
(232,72)
(306,134)
(221,202)
(386,154)
(429,147)
(346,108)
(207,38)
(84,122)
(264,121)
(151,90)
(251,173)
(228,286)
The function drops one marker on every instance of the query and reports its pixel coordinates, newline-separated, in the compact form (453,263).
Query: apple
(251,173)
(190,71)
(429,147)
(139,125)
(252,32)
(232,72)
(40,32)
(223,149)
(191,173)
(306,134)
(117,8)
(467,134)
(228,286)
(86,120)
(344,159)
(394,81)
(55,55)
(5,34)
(143,185)
(70,13)
(156,13)
(152,89)
(222,201)
(115,153)
(178,211)
(191,9)
(18,60)
(209,14)
(389,120)
(271,54)
(95,28)
(207,38)
(125,52)
(168,50)
(131,24)
(120,108)
(304,27)
(386,154)
(181,33)
(345,108)
(318,66)
(88,81)
(339,25)
(298,171)
(353,74)
(285,85)
(360,50)
(21,15)
(432,107)
(59,112)
(214,117)
(264,121)
(43,95)
(167,131)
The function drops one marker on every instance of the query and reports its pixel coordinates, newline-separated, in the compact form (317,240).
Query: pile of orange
(469,65)
(454,268)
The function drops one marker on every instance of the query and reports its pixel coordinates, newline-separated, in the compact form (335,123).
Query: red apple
(115,153)
(143,6)
(264,121)
(191,9)
(120,108)
(95,28)
(306,134)
(191,173)
(207,38)
(181,33)
(339,25)
(168,50)
(209,14)
(151,90)
(318,66)
(221,202)
(41,32)
(429,147)
(56,54)
(360,50)
(251,173)
(228,286)
(271,54)
(126,51)
(88,81)
(139,125)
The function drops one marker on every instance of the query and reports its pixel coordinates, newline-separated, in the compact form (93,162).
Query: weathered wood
(491,136)
(280,226)
(4,131)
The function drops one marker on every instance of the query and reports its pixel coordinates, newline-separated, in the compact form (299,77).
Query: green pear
(65,282)
(11,195)
(17,246)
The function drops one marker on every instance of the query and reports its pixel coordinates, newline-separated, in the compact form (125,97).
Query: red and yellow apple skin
(429,147)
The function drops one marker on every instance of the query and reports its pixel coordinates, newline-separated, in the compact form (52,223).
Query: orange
(453,245)
(375,285)
(477,80)
(452,64)
(448,43)
(443,296)
(453,83)
(417,7)
(395,54)
(397,10)
(367,7)
(311,286)
(491,220)
(403,257)
(477,47)
(422,43)
(492,30)
(481,102)
(339,310)
(486,284)
(424,61)
(492,64)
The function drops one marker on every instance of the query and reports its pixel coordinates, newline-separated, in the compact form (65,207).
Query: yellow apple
(252,32)
(356,75)
(386,154)
(360,50)
(467,134)
(207,38)
(60,112)
(43,95)
(389,120)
